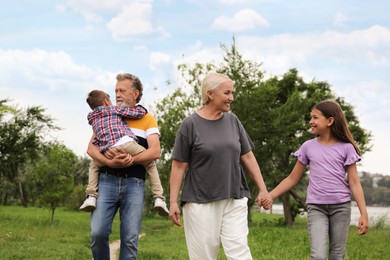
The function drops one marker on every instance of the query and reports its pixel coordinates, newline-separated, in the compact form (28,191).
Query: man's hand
(119,158)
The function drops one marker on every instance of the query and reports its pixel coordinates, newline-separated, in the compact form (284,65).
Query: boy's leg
(91,191)
(93,178)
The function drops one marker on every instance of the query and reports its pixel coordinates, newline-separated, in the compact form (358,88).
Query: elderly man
(121,182)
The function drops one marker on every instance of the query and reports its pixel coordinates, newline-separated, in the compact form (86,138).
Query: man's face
(125,94)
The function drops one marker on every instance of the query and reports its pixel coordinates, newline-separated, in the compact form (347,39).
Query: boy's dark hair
(96,98)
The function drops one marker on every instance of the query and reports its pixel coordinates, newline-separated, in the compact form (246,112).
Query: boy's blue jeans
(114,193)
(328,224)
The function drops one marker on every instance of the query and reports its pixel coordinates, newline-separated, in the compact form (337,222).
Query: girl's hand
(264,200)
(362,225)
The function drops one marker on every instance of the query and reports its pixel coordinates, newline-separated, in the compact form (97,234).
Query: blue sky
(53,52)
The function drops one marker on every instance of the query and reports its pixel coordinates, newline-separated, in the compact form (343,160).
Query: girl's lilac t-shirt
(327,179)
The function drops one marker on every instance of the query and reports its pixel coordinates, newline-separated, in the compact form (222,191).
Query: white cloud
(58,84)
(289,50)
(92,10)
(134,19)
(340,19)
(157,59)
(94,6)
(52,70)
(242,20)
(234,1)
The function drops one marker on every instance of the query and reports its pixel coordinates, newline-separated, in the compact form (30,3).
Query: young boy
(111,131)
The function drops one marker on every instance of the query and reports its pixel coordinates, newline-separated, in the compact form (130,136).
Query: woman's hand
(174,214)
(264,200)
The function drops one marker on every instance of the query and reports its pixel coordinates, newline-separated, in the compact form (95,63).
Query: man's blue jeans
(328,226)
(114,193)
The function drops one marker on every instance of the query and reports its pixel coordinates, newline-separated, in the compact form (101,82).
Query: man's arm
(150,154)
(119,160)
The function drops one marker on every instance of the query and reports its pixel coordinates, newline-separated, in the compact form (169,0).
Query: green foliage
(22,137)
(76,198)
(53,176)
(384,182)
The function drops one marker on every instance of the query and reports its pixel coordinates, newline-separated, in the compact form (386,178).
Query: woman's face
(222,97)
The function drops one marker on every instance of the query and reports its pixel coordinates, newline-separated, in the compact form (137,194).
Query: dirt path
(114,247)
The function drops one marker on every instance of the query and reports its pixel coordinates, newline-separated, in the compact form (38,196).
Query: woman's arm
(357,192)
(290,181)
(178,171)
(250,163)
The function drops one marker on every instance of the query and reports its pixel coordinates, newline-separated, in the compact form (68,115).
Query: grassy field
(26,233)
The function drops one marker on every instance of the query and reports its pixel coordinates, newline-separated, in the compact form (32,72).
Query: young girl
(331,154)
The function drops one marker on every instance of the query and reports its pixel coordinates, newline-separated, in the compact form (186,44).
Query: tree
(22,136)
(384,182)
(54,176)
(275,113)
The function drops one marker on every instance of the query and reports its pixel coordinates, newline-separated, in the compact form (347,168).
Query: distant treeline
(376,189)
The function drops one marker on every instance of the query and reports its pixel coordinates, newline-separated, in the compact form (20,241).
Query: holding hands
(264,200)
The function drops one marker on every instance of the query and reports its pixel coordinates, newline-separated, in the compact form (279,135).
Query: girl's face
(319,123)
(222,97)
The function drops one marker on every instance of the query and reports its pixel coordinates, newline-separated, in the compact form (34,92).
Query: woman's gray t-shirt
(212,148)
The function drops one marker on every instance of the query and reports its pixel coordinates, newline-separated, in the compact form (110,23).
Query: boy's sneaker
(89,204)
(161,207)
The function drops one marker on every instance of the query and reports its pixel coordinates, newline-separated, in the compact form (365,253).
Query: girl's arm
(290,181)
(357,192)
(178,171)
(249,160)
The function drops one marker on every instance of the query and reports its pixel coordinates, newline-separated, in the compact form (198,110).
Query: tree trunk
(300,201)
(20,187)
(21,194)
(52,215)
(288,217)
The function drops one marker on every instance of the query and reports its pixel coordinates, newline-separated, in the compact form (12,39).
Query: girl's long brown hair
(339,128)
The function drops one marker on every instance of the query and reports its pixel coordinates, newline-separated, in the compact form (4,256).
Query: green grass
(26,233)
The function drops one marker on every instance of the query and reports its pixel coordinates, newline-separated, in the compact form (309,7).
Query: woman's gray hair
(210,83)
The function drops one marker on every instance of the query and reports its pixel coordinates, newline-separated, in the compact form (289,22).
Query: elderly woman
(209,148)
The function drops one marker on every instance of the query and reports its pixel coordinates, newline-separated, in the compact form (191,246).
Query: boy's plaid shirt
(108,124)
